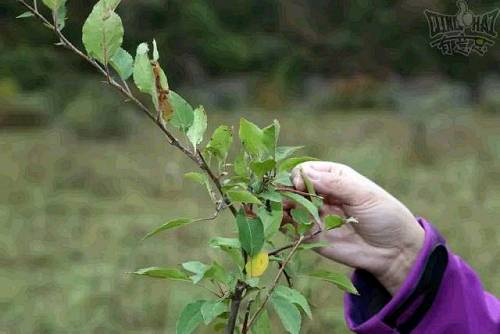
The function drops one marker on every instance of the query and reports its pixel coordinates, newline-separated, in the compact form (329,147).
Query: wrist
(399,265)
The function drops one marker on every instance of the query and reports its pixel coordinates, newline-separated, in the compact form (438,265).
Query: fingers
(335,181)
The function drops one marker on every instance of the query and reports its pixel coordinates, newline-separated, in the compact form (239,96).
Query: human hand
(387,238)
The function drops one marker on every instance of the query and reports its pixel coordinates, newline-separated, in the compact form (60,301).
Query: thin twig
(34,10)
(125,84)
(288,278)
(244,329)
(275,281)
(290,245)
(298,192)
(212,217)
(211,291)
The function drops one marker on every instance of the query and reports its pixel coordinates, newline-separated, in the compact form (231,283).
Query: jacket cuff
(375,311)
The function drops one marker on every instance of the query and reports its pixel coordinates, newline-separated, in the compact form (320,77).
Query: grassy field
(73,212)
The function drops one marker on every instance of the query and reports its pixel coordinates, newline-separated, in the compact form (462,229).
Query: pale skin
(387,239)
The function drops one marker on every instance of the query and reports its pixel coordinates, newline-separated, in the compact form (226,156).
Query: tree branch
(275,281)
(126,92)
(195,156)
(235,306)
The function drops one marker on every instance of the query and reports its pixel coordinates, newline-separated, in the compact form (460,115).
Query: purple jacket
(441,294)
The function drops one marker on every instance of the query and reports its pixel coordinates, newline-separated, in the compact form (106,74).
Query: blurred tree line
(282,41)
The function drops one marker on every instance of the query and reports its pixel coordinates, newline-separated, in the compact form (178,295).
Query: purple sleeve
(441,294)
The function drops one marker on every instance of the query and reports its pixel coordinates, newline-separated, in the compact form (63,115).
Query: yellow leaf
(257,265)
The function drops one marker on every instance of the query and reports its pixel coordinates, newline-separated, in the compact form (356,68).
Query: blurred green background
(83,176)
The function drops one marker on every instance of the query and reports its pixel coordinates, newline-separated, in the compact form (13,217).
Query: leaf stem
(298,192)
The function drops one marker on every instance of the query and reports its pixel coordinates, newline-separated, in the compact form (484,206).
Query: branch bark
(247,315)
(235,306)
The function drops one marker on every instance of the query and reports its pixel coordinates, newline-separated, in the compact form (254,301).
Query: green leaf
(218,242)
(251,233)
(220,142)
(201,179)
(161,272)
(190,318)
(262,324)
(175,223)
(308,205)
(260,168)
(288,313)
(289,163)
(231,246)
(102,32)
(197,268)
(242,196)
(123,63)
(183,116)
(235,255)
(61,16)
(283,178)
(271,220)
(283,152)
(25,15)
(311,245)
(339,279)
(294,297)
(252,281)
(301,216)
(156,55)
(251,137)
(270,136)
(143,72)
(271,195)
(212,309)
(308,183)
(198,128)
(54,4)
(110,4)
(333,221)
(218,273)
(240,165)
